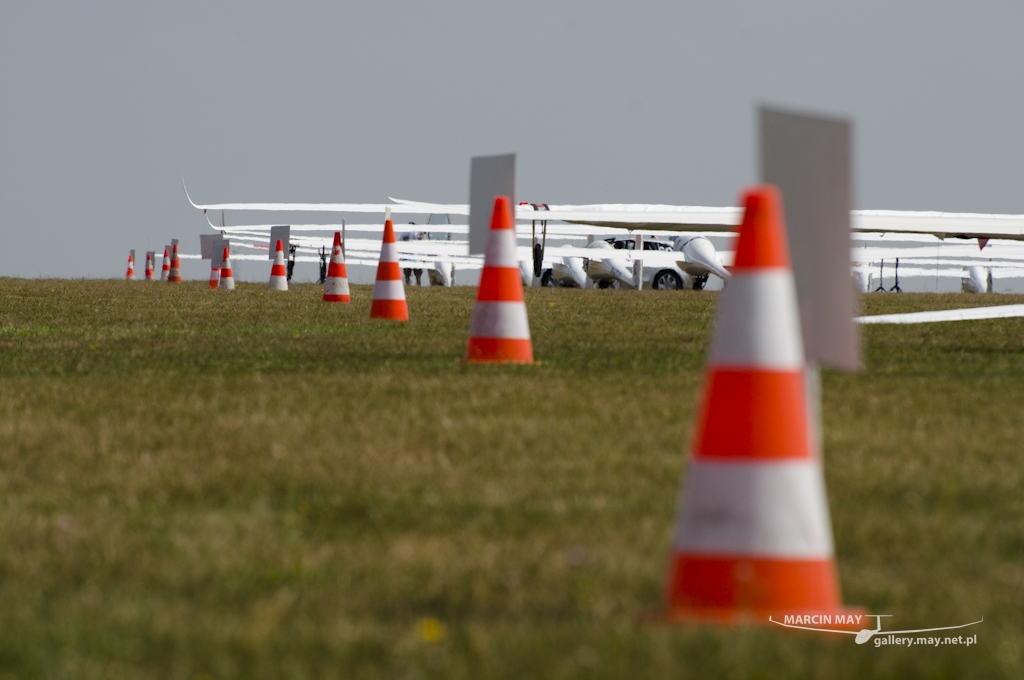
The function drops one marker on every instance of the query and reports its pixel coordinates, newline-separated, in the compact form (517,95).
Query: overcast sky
(106,105)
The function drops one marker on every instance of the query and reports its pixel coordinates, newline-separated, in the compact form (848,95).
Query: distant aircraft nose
(699,250)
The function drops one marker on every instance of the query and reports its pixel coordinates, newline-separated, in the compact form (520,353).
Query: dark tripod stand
(896,287)
(881,278)
(323,265)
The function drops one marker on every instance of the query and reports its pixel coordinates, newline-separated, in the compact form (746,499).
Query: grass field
(199,484)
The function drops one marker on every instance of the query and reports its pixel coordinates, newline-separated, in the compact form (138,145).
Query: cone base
(336,298)
(389,309)
(175,279)
(499,351)
(736,589)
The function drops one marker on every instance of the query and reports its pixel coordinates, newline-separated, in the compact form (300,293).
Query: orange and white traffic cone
(227,278)
(753,536)
(499,331)
(214,275)
(175,273)
(165,270)
(388,290)
(130,274)
(336,285)
(149,266)
(278,271)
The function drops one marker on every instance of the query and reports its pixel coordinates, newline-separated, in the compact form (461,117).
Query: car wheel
(666,279)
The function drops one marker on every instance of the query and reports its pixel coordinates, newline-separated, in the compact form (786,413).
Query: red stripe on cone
(388,271)
(730,587)
(500,284)
(762,243)
(726,426)
(336,269)
(389,309)
(499,351)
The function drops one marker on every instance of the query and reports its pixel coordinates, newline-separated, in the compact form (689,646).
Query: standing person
(407,272)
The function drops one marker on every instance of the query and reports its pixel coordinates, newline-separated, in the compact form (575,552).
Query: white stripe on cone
(500,320)
(501,249)
(389,252)
(757,325)
(775,509)
(388,290)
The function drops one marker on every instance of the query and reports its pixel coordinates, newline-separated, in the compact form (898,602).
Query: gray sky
(106,105)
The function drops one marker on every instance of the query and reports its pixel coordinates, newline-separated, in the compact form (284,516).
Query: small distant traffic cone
(389,291)
(130,274)
(500,331)
(214,275)
(149,266)
(336,285)
(278,272)
(175,274)
(753,536)
(165,270)
(227,278)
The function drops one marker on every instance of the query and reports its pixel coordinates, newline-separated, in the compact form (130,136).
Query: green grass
(197,484)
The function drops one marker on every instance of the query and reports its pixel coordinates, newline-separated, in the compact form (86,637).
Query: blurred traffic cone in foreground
(214,274)
(336,285)
(278,272)
(130,274)
(175,275)
(389,291)
(499,331)
(227,278)
(149,266)
(165,270)
(753,536)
